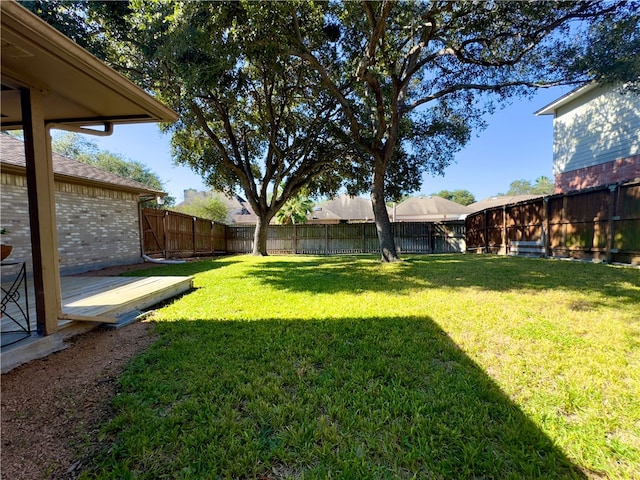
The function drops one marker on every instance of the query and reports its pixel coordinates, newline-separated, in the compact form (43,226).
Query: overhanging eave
(48,80)
(76,86)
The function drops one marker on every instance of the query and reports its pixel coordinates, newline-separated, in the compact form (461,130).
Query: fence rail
(601,224)
(336,239)
(172,234)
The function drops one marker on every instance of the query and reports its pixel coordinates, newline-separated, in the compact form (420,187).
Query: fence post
(613,189)
(295,239)
(546,237)
(226,238)
(326,239)
(211,240)
(486,232)
(165,233)
(503,248)
(193,234)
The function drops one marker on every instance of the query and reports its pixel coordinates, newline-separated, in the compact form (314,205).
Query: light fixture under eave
(160,200)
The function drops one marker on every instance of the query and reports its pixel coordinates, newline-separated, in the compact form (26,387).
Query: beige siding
(599,127)
(96,227)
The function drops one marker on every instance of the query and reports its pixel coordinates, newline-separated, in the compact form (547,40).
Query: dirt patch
(52,408)
(118,270)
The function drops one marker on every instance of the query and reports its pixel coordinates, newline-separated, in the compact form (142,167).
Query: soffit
(78,88)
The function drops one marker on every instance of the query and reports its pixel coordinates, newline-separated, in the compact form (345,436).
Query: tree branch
(481,87)
(305,54)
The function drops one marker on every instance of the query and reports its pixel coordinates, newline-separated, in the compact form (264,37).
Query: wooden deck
(117,300)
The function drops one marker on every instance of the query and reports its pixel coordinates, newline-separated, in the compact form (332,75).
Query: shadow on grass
(335,274)
(355,398)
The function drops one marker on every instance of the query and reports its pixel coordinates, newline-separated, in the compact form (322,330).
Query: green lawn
(438,367)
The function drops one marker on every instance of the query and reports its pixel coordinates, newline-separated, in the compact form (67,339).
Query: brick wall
(621,170)
(96,227)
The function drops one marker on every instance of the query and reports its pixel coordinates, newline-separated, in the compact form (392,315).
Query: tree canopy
(463,197)
(295,210)
(79,148)
(542,186)
(417,77)
(250,116)
(367,95)
(611,52)
(211,206)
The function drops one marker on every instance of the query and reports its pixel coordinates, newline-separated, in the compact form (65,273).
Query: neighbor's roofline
(551,108)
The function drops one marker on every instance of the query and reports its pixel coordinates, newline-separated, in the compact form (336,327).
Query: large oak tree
(417,76)
(412,80)
(250,117)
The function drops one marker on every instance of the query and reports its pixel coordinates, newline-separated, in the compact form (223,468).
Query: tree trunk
(383,224)
(260,237)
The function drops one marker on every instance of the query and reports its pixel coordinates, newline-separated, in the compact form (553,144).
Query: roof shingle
(12,153)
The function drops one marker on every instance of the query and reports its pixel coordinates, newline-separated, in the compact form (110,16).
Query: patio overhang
(48,81)
(77,89)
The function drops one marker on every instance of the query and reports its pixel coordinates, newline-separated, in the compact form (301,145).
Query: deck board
(101,296)
(118,297)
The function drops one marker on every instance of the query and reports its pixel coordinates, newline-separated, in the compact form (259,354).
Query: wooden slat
(85,318)
(101,299)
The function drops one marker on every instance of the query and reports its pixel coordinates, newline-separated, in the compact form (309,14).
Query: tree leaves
(361,95)
(77,147)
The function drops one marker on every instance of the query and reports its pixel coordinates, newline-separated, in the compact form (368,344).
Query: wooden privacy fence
(346,238)
(601,223)
(172,234)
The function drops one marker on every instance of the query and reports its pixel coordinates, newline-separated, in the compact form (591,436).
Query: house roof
(68,169)
(551,108)
(350,208)
(79,89)
(321,213)
(425,206)
(499,201)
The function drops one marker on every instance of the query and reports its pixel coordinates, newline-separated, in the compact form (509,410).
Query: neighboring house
(322,215)
(499,201)
(239,212)
(344,209)
(341,209)
(98,214)
(348,209)
(596,137)
(428,209)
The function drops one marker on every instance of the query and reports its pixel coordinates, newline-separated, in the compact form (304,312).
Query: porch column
(42,214)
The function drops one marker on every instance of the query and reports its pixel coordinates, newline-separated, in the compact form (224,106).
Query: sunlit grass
(342,367)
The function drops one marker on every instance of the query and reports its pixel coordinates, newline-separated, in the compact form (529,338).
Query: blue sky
(515,145)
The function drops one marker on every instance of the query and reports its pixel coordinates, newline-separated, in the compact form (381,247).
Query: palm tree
(294,211)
